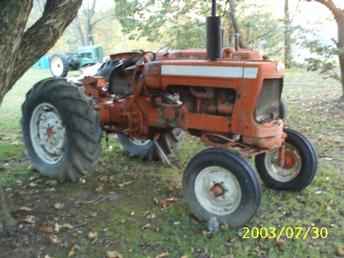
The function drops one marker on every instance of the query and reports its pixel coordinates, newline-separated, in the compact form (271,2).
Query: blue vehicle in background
(61,64)
(43,63)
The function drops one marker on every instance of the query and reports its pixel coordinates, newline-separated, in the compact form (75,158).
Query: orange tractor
(229,98)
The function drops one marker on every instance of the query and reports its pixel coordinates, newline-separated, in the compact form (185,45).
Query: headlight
(268,105)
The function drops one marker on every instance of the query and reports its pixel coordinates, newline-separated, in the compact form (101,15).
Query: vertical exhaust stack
(214,34)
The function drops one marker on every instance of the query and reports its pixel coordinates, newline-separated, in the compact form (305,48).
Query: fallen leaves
(29,219)
(46,228)
(165,203)
(58,227)
(92,236)
(106,179)
(32,185)
(113,254)
(122,185)
(54,239)
(149,215)
(72,251)
(162,255)
(281,243)
(58,206)
(100,189)
(340,251)
(147,226)
(24,209)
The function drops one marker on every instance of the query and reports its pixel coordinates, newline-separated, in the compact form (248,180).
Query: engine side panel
(200,96)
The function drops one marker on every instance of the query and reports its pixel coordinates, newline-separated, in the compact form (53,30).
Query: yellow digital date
(285,232)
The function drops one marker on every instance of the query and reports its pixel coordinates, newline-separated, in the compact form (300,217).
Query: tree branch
(79,30)
(42,36)
(11,31)
(330,5)
(103,18)
(234,22)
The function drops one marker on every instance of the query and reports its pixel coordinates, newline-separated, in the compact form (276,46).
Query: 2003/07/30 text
(287,232)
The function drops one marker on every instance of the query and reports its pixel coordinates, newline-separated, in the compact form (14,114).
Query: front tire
(219,184)
(300,167)
(61,130)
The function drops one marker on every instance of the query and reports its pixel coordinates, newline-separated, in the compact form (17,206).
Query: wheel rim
(218,190)
(290,171)
(47,133)
(139,142)
(57,66)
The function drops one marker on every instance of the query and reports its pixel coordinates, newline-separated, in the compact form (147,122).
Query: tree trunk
(89,33)
(89,14)
(338,14)
(83,25)
(234,21)
(20,48)
(287,35)
(13,18)
(24,48)
(340,44)
(79,31)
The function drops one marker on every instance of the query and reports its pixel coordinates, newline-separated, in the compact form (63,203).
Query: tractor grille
(268,107)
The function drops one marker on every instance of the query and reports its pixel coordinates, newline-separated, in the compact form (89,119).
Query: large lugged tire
(61,130)
(300,167)
(146,149)
(219,184)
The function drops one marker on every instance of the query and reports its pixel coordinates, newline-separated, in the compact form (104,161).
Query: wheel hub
(284,165)
(50,132)
(218,190)
(57,66)
(290,159)
(47,133)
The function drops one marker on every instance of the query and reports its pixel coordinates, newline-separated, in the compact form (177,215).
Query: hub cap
(292,165)
(218,190)
(57,66)
(47,133)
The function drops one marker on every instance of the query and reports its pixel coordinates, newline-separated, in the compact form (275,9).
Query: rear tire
(217,183)
(146,149)
(61,130)
(136,147)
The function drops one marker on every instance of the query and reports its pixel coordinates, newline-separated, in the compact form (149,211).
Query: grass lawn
(121,204)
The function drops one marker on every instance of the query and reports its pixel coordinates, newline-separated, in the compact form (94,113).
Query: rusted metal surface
(184,90)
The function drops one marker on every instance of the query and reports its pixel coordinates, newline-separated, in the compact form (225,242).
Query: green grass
(312,110)
(10,109)
(9,151)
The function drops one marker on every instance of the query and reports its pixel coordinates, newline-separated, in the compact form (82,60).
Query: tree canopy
(181,24)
